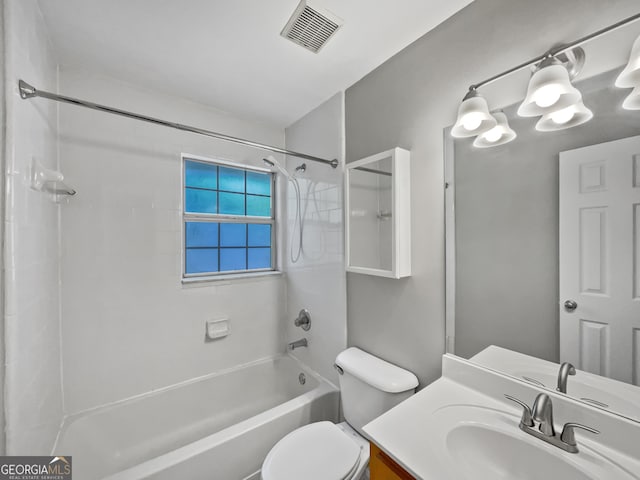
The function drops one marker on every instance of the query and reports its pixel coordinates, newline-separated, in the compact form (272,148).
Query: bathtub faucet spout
(298,343)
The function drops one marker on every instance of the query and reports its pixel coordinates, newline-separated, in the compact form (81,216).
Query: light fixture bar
(557,51)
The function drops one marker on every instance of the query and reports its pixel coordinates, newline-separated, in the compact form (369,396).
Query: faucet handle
(303,320)
(568,435)
(526,411)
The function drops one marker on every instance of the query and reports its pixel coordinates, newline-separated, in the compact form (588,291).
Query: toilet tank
(369,386)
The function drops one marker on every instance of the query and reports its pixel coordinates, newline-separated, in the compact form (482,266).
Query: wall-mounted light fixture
(549,90)
(499,135)
(550,93)
(632,102)
(630,78)
(568,117)
(473,116)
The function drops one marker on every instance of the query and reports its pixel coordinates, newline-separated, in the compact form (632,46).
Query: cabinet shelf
(378,205)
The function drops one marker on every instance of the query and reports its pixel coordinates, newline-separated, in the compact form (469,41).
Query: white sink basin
(485,443)
(484,453)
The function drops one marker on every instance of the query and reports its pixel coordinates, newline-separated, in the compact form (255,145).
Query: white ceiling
(229,53)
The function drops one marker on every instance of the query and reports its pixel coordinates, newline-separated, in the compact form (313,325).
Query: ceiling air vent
(311,27)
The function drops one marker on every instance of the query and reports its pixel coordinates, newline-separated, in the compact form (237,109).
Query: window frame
(222,218)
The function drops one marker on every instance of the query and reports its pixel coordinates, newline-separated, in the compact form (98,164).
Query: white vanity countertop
(447,431)
(403,432)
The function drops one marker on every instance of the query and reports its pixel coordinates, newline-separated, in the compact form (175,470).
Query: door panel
(594,347)
(636,356)
(600,258)
(593,255)
(592,177)
(636,251)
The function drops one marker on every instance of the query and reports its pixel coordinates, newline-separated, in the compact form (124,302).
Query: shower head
(272,162)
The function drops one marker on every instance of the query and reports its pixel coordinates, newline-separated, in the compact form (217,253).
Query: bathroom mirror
(378,231)
(543,250)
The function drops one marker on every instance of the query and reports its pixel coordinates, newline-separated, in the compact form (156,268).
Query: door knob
(570,305)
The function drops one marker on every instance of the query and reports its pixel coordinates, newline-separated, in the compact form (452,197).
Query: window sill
(227,279)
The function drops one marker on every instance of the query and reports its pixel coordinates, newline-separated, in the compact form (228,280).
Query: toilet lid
(318,451)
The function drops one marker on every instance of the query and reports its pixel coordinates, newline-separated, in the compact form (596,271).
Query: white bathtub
(217,428)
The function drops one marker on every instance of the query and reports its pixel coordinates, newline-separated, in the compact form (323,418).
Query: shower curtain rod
(28,91)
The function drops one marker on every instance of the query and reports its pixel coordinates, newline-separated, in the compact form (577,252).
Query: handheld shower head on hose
(272,162)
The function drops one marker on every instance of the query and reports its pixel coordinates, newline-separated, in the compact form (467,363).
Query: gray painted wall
(507,226)
(407,102)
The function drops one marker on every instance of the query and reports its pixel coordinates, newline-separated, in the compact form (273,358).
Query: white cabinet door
(600,258)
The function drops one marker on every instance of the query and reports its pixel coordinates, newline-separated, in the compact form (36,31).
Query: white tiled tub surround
(33,390)
(129,325)
(317,281)
(221,426)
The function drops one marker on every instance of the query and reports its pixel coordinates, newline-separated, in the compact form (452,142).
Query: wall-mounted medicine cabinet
(378,205)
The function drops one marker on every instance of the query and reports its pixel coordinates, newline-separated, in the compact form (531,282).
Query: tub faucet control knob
(303,320)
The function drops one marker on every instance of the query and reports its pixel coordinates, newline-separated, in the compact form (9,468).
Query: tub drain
(302,379)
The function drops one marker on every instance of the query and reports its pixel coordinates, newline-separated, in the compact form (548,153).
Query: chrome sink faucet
(538,421)
(566,369)
(542,414)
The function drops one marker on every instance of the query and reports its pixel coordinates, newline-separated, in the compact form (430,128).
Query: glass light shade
(549,90)
(568,117)
(499,135)
(632,102)
(630,76)
(473,117)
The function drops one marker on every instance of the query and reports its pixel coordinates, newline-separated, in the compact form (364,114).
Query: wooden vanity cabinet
(383,467)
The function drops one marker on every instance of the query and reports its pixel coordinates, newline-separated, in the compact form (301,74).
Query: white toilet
(369,387)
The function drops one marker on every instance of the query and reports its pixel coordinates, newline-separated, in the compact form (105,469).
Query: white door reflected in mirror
(599,258)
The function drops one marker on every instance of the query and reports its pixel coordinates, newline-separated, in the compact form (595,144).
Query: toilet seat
(318,451)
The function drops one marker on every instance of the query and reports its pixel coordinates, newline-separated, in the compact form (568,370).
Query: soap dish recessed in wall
(50,181)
